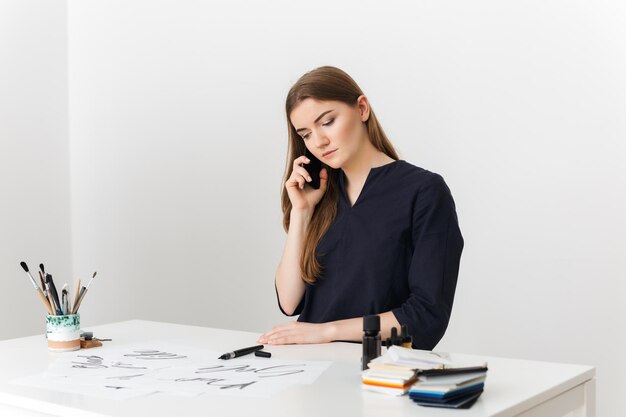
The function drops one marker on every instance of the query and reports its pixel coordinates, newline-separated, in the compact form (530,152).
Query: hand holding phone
(313,168)
(307,183)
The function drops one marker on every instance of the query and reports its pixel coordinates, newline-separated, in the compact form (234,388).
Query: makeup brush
(44,300)
(82,293)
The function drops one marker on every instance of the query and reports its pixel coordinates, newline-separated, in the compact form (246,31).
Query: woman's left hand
(298,332)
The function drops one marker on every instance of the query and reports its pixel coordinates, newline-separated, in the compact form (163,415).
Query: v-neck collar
(373,172)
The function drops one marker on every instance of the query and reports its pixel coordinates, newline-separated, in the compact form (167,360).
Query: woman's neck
(357,170)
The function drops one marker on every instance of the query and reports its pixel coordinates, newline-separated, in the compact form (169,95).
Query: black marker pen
(241,352)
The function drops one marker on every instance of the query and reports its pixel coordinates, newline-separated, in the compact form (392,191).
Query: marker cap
(371,323)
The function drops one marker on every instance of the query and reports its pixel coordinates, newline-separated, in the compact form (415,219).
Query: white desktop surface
(513,387)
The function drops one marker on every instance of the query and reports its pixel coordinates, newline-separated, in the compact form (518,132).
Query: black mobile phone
(313,168)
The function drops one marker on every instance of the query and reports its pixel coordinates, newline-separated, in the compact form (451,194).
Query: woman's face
(331,130)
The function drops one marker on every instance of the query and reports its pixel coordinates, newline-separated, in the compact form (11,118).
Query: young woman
(379,236)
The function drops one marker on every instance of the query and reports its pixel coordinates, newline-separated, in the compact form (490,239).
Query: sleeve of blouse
(298,309)
(434,266)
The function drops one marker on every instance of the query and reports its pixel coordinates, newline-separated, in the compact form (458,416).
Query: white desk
(513,387)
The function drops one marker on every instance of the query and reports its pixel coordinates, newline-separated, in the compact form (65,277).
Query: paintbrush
(76,295)
(53,294)
(82,293)
(44,300)
(43,285)
(64,301)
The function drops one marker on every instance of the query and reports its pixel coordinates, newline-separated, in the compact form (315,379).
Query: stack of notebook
(449,387)
(431,379)
(395,371)
(388,379)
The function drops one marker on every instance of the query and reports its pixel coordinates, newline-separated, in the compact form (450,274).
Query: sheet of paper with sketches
(124,372)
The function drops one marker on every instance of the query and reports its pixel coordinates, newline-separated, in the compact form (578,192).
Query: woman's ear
(364,107)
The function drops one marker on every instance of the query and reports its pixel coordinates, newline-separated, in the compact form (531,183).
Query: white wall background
(178,140)
(34,157)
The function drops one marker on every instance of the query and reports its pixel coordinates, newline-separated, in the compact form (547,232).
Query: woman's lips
(327,154)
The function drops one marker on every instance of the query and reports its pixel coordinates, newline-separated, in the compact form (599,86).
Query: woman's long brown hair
(324,84)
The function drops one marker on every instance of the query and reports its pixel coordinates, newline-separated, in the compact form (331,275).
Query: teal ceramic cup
(63,332)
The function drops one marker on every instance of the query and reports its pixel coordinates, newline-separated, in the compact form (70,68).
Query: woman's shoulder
(417,176)
(424,187)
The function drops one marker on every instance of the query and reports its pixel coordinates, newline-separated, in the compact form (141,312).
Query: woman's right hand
(304,198)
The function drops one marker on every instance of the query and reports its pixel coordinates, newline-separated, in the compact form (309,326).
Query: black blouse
(397,248)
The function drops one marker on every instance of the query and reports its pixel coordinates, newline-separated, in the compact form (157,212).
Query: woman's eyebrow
(316,120)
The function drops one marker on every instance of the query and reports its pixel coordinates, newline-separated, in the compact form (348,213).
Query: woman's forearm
(289,283)
(352,329)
